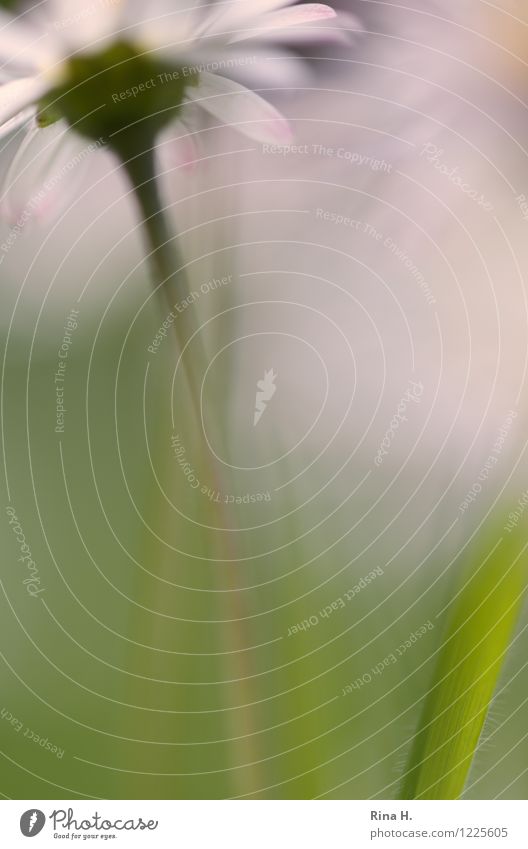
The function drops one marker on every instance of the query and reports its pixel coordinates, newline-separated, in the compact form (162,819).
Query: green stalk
(477,638)
(168,272)
(172,285)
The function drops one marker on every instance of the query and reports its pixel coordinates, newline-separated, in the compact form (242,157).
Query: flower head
(123,68)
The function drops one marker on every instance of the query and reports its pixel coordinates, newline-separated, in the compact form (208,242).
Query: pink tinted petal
(185,152)
(236,106)
(301,24)
(296,16)
(179,151)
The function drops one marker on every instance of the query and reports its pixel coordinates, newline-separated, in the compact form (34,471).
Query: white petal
(172,42)
(44,174)
(18,121)
(163,19)
(256,66)
(17,94)
(263,68)
(232,16)
(236,106)
(23,48)
(85,24)
(242,8)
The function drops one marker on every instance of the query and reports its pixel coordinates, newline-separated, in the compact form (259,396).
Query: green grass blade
(480,627)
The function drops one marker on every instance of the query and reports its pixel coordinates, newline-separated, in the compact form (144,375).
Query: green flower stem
(169,276)
(172,285)
(480,629)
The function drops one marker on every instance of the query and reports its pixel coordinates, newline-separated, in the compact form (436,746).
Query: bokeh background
(379,270)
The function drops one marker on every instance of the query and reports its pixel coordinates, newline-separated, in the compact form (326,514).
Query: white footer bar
(265,824)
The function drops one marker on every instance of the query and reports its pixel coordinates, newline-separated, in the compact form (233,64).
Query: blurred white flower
(121,71)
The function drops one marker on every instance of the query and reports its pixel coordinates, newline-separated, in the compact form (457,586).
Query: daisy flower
(122,70)
(119,72)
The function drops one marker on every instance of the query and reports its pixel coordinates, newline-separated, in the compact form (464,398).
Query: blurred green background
(137,661)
